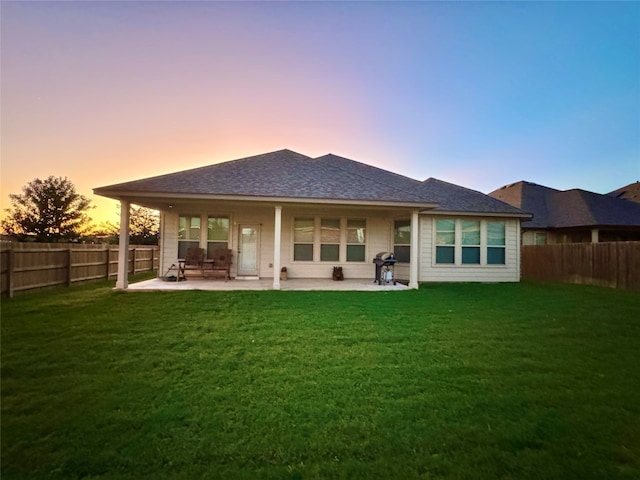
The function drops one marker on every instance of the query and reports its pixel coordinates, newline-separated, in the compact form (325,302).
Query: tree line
(51,210)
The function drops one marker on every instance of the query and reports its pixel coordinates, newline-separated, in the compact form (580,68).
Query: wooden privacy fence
(26,266)
(610,264)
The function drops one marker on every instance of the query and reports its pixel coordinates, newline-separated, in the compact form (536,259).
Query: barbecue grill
(385,262)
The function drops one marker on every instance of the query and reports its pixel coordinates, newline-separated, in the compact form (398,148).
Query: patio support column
(413,265)
(277,234)
(123,247)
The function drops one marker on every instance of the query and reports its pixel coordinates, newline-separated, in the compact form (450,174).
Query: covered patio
(309,284)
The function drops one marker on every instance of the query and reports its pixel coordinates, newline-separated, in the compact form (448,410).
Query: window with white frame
(303,239)
(496,243)
(188,233)
(329,239)
(445,241)
(356,239)
(217,234)
(470,242)
(402,240)
(539,238)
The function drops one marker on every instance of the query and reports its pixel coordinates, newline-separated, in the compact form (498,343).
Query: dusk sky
(479,94)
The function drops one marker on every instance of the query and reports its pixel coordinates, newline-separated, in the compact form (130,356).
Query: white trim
(413,262)
(122,281)
(449,213)
(277,234)
(119,195)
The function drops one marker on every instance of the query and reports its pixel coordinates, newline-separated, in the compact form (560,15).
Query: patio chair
(194,259)
(221,262)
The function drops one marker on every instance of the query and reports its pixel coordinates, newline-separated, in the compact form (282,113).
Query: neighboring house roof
(287,174)
(553,208)
(628,192)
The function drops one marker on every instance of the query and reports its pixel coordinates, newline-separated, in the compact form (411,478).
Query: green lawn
(450,381)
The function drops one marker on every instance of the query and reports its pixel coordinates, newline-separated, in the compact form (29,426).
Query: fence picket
(26,266)
(608,264)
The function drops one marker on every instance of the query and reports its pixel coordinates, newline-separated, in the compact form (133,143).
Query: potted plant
(283,273)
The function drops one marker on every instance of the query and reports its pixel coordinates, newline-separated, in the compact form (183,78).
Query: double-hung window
(217,234)
(188,233)
(539,238)
(445,241)
(470,242)
(496,243)
(356,239)
(402,240)
(303,238)
(329,239)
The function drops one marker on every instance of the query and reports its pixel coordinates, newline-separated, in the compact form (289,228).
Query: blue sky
(481,94)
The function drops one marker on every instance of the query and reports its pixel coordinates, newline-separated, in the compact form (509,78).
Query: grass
(510,381)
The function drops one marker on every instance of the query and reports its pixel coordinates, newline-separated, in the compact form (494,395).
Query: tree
(106,232)
(48,210)
(144,225)
(144,228)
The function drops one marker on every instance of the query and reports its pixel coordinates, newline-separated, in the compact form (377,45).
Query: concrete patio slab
(319,284)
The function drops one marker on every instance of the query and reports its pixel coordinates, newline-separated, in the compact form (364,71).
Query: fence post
(133,258)
(108,252)
(69,265)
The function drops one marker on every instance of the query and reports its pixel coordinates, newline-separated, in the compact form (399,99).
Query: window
(336,239)
(356,230)
(402,240)
(188,234)
(330,239)
(470,242)
(445,241)
(496,244)
(217,234)
(303,233)
(539,238)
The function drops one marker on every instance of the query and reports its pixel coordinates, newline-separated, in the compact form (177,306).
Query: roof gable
(628,192)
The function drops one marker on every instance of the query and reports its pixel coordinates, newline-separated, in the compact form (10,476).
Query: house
(310,214)
(571,216)
(629,192)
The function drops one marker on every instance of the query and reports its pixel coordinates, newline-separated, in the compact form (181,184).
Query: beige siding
(264,218)
(429,271)
(168,241)
(379,237)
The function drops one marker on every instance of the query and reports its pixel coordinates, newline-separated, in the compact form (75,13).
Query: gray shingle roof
(628,192)
(278,174)
(288,174)
(569,208)
(454,198)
